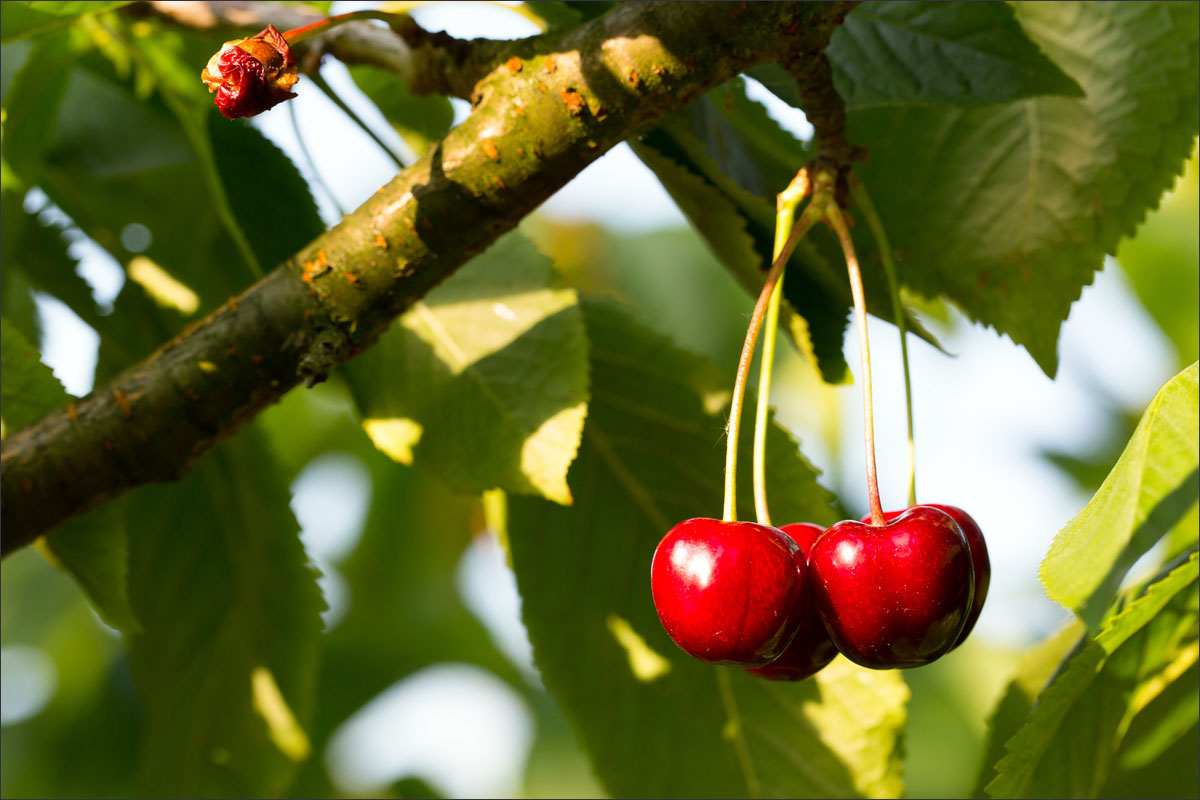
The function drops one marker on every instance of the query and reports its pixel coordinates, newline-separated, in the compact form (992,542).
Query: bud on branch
(251,75)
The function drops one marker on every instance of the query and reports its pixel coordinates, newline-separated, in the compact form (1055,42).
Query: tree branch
(540,118)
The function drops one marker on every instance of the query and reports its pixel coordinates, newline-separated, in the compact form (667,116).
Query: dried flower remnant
(251,75)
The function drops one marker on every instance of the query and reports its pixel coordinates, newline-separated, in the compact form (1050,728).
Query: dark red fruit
(728,592)
(811,649)
(251,75)
(896,595)
(979,559)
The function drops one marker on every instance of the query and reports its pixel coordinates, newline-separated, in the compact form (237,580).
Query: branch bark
(553,105)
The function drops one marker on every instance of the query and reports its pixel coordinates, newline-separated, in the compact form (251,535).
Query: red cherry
(979,560)
(727,592)
(896,595)
(811,649)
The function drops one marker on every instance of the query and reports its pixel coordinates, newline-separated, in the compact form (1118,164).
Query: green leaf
(1035,670)
(39,252)
(22,19)
(226,664)
(33,99)
(164,58)
(655,721)
(739,227)
(1068,745)
(555,14)
(29,390)
(723,160)
(1152,486)
(266,192)
(407,561)
(488,373)
(917,53)
(92,548)
(1008,210)
(419,119)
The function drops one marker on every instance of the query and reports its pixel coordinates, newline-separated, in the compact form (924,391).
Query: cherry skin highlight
(728,592)
(896,595)
(811,648)
(979,559)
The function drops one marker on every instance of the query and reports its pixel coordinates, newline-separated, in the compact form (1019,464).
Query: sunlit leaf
(1151,488)
(1143,649)
(484,380)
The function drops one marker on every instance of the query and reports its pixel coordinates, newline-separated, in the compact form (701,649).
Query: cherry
(728,592)
(897,595)
(811,649)
(979,560)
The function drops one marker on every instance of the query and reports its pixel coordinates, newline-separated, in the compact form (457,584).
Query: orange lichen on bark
(123,402)
(574,100)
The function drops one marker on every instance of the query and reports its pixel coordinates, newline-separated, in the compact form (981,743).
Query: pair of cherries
(782,602)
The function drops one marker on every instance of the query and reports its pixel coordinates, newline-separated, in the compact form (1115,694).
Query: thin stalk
(313,164)
(889,269)
(349,112)
(785,214)
(807,220)
(296,35)
(834,215)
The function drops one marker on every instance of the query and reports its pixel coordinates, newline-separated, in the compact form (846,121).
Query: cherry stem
(785,213)
(810,216)
(296,35)
(834,215)
(863,200)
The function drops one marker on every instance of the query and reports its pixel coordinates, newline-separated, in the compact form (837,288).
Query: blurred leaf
(32,101)
(39,252)
(1068,744)
(29,390)
(419,119)
(779,81)
(557,14)
(402,609)
(657,722)
(22,19)
(162,54)
(1037,667)
(1160,261)
(1009,209)
(93,548)
(230,609)
(485,380)
(917,53)
(17,304)
(1149,490)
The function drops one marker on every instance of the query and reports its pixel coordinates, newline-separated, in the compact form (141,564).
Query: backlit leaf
(1148,492)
